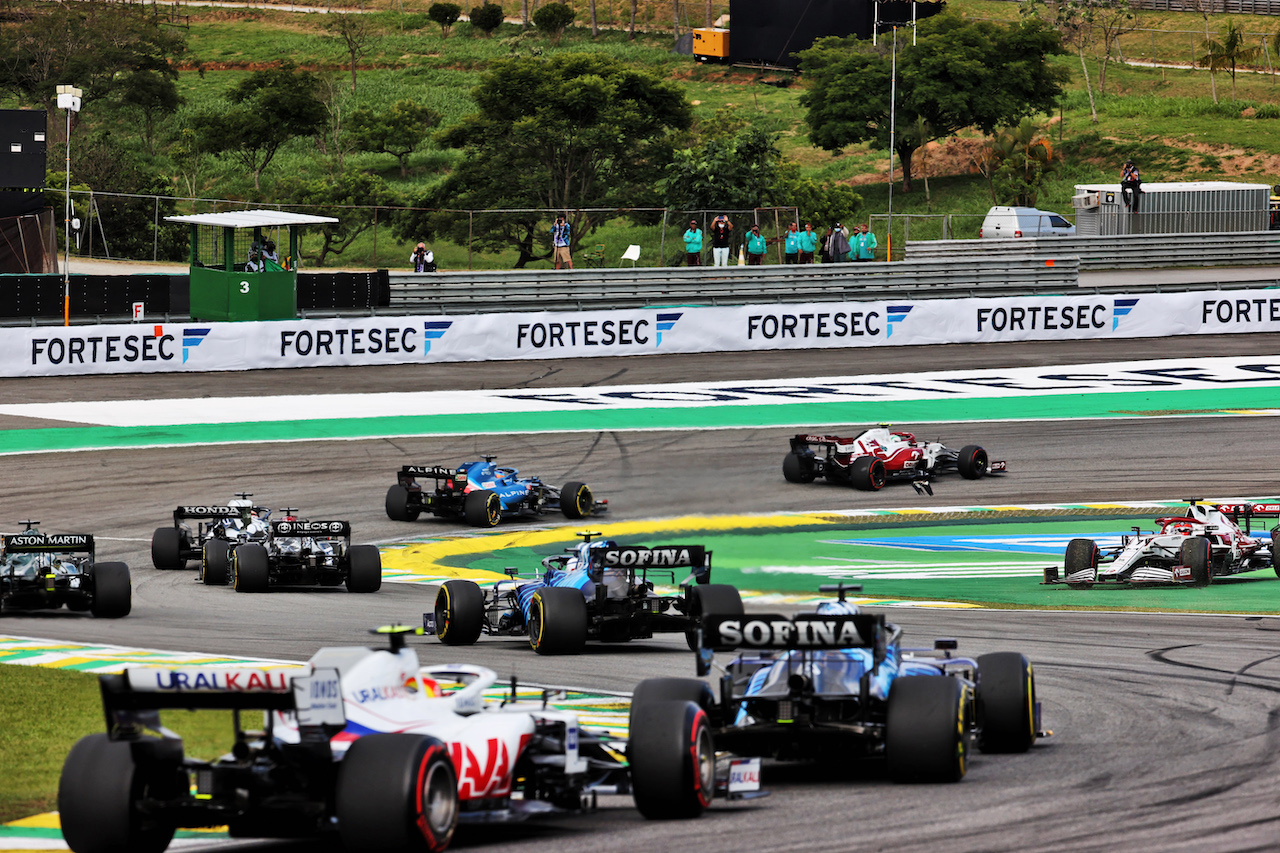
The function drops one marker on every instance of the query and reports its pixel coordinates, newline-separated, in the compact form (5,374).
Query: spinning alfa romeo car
(364,746)
(295,552)
(482,494)
(878,455)
(1203,543)
(173,547)
(599,590)
(836,684)
(45,571)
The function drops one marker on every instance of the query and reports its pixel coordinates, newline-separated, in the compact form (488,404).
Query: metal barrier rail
(1129,251)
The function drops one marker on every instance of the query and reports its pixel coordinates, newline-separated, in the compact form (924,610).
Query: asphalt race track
(1166,727)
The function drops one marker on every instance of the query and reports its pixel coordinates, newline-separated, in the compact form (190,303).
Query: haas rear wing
(53,543)
(659,557)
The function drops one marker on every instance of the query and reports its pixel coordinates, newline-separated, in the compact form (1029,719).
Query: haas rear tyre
(1195,553)
(166,548)
(364,569)
(576,500)
(396,792)
(1005,703)
(482,508)
(98,796)
(249,568)
(1080,565)
(398,504)
(867,473)
(797,469)
(713,599)
(927,729)
(672,758)
(558,621)
(215,563)
(112,592)
(972,462)
(459,613)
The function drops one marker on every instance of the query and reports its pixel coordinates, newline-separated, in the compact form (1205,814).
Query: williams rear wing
(635,558)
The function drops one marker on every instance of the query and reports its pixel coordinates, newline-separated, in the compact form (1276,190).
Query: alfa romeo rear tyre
(1196,553)
(797,469)
(1081,561)
(1275,546)
(867,473)
(972,462)
(459,613)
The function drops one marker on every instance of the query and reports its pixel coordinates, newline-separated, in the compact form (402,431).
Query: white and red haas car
(878,455)
(1203,543)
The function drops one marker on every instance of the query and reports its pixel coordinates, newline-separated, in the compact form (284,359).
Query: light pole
(69,100)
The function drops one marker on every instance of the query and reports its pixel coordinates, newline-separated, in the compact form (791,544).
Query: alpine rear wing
(410,473)
(662,558)
(32,542)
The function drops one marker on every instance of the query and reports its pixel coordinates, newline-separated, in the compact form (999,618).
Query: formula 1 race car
(482,494)
(172,547)
(362,746)
(598,590)
(876,455)
(836,684)
(44,572)
(1203,543)
(295,552)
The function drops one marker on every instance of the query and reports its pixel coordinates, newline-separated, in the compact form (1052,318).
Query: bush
(552,19)
(486,18)
(446,15)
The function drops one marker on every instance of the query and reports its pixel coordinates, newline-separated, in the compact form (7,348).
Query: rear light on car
(979,232)
(1017,233)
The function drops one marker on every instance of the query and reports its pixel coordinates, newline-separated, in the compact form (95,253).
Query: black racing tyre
(558,621)
(482,508)
(927,729)
(797,468)
(654,690)
(396,792)
(98,794)
(250,568)
(1081,556)
(576,500)
(713,599)
(867,473)
(673,760)
(459,613)
(364,569)
(166,548)
(1005,703)
(1196,554)
(398,504)
(1275,546)
(215,563)
(112,592)
(972,462)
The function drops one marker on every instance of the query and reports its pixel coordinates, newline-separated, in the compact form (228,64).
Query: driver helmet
(244,510)
(837,608)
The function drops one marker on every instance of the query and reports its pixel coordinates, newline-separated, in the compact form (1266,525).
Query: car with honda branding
(45,571)
(300,552)
(837,684)
(239,520)
(879,455)
(597,590)
(363,747)
(1205,542)
(482,494)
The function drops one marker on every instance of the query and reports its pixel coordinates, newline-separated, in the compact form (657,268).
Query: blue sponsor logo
(666,322)
(192,338)
(433,330)
(896,314)
(1122,308)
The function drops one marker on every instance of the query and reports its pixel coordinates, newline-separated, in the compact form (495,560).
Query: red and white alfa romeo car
(878,455)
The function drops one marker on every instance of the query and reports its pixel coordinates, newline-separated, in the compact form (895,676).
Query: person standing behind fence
(866,244)
(720,240)
(791,245)
(419,258)
(1131,185)
(839,244)
(560,236)
(756,245)
(693,244)
(808,244)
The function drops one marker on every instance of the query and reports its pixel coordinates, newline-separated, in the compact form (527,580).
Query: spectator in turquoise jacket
(756,246)
(866,244)
(693,244)
(808,243)
(791,244)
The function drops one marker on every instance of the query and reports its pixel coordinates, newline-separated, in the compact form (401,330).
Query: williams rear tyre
(867,473)
(713,599)
(1275,546)
(215,563)
(1005,703)
(927,729)
(972,462)
(396,792)
(558,621)
(459,613)
(166,548)
(364,569)
(112,592)
(398,505)
(482,508)
(1080,565)
(673,760)
(576,500)
(654,690)
(98,796)
(1196,553)
(797,468)
(250,570)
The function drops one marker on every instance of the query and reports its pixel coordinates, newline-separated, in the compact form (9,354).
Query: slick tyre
(398,504)
(652,691)
(98,796)
(713,599)
(867,473)
(673,761)
(364,569)
(166,548)
(576,500)
(558,621)
(459,613)
(482,508)
(972,462)
(1195,554)
(112,592)
(797,469)
(1005,703)
(215,563)
(1275,546)
(1081,560)
(396,792)
(927,729)
(250,568)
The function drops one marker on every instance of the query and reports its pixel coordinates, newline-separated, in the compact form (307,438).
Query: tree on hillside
(1016,162)
(486,18)
(397,130)
(958,74)
(353,198)
(553,19)
(1226,53)
(1075,25)
(446,15)
(151,93)
(353,33)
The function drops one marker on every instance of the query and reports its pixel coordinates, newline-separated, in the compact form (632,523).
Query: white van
(1007,222)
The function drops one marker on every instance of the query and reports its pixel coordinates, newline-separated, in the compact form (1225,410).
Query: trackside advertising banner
(138,348)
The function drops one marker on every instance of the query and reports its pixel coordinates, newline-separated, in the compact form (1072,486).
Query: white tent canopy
(251,219)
